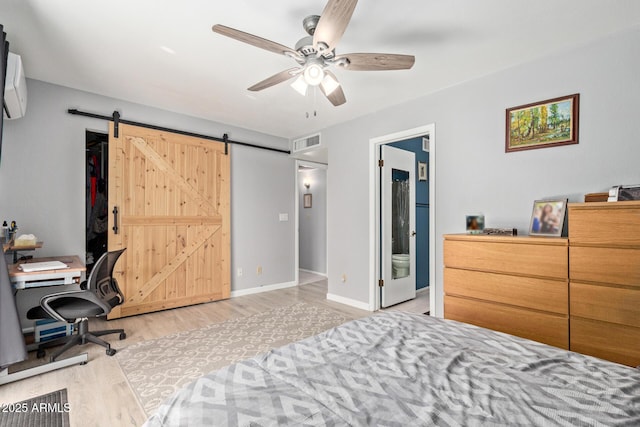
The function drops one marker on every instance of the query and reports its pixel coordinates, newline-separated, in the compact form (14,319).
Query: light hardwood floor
(420,304)
(98,392)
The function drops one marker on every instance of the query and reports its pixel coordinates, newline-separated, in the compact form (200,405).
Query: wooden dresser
(604,273)
(517,285)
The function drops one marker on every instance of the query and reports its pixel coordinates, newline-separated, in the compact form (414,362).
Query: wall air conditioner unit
(306,143)
(15,89)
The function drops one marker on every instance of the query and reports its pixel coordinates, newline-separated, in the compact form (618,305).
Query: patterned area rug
(157,368)
(50,410)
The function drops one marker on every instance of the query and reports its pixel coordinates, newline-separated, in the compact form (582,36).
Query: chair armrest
(46,301)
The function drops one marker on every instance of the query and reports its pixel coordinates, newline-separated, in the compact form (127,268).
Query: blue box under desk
(49,329)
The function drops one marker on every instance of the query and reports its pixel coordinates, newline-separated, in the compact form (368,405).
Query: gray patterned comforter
(401,369)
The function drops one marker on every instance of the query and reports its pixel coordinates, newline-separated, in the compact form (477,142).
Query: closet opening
(96,163)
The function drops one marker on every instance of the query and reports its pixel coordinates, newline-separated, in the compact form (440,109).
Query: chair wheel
(84,363)
(41,353)
(123,336)
(111,351)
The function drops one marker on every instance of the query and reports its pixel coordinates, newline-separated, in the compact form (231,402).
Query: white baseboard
(314,272)
(350,302)
(425,289)
(260,289)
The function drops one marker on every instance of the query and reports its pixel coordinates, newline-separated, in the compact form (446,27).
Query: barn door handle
(115,220)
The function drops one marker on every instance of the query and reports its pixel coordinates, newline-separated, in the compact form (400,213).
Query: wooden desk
(12,346)
(35,279)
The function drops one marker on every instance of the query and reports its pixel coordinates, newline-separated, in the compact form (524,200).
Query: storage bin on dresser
(512,284)
(604,273)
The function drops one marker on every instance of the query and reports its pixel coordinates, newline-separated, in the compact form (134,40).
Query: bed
(402,369)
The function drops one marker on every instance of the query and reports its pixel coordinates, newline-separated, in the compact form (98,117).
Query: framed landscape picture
(547,218)
(543,124)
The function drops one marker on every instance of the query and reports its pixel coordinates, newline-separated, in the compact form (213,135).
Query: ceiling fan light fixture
(329,84)
(315,54)
(300,85)
(313,74)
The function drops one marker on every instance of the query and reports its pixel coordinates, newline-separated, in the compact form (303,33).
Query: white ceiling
(163,53)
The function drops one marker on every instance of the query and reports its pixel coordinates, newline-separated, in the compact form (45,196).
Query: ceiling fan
(315,54)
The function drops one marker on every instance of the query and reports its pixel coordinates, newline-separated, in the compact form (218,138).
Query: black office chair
(96,298)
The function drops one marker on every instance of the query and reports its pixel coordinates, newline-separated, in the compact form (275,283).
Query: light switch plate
(284,217)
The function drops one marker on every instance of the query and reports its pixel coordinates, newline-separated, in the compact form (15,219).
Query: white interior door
(398,206)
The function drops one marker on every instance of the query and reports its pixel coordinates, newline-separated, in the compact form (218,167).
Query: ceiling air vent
(305,143)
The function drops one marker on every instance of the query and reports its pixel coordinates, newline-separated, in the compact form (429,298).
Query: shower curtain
(400,217)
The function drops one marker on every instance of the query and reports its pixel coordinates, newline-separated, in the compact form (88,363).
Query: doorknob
(413,233)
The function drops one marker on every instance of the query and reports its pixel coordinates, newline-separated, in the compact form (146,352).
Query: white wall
(473,172)
(42,180)
(313,221)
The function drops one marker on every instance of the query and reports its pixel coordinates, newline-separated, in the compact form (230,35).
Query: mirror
(400,234)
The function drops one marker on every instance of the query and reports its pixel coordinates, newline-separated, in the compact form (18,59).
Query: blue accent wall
(422,211)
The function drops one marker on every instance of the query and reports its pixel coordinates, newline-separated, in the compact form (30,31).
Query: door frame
(374,209)
(297,215)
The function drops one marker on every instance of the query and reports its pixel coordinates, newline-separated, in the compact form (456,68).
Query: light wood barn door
(172,196)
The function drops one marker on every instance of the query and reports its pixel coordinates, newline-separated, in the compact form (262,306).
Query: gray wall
(42,180)
(473,173)
(313,221)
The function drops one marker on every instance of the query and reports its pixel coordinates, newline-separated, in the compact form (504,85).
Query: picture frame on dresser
(547,217)
(475,224)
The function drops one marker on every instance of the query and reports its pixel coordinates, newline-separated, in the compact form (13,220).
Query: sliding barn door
(169,204)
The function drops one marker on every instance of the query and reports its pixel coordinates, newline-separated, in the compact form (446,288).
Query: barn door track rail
(115,118)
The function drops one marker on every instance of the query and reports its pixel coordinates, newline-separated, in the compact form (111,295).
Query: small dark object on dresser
(501,231)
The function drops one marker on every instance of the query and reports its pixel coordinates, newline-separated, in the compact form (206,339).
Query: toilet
(400,265)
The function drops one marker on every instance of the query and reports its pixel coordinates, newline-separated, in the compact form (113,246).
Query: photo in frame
(475,224)
(547,218)
(307,200)
(423,171)
(543,124)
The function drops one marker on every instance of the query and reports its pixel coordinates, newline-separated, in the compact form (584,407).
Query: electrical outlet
(259,270)
(239,272)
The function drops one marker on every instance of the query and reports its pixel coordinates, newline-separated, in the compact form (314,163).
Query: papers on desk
(41,266)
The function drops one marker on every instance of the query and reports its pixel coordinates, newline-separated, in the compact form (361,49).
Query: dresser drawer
(547,328)
(610,304)
(609,341)
(540,294)
(539,260)
(605,265)
(615,224)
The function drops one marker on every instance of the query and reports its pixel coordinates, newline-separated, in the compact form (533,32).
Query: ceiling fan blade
(254,40)
(336,97)
(376,61)
(282,76)
(333,22)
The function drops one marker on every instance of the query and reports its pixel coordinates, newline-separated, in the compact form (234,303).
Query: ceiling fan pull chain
(315,101)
